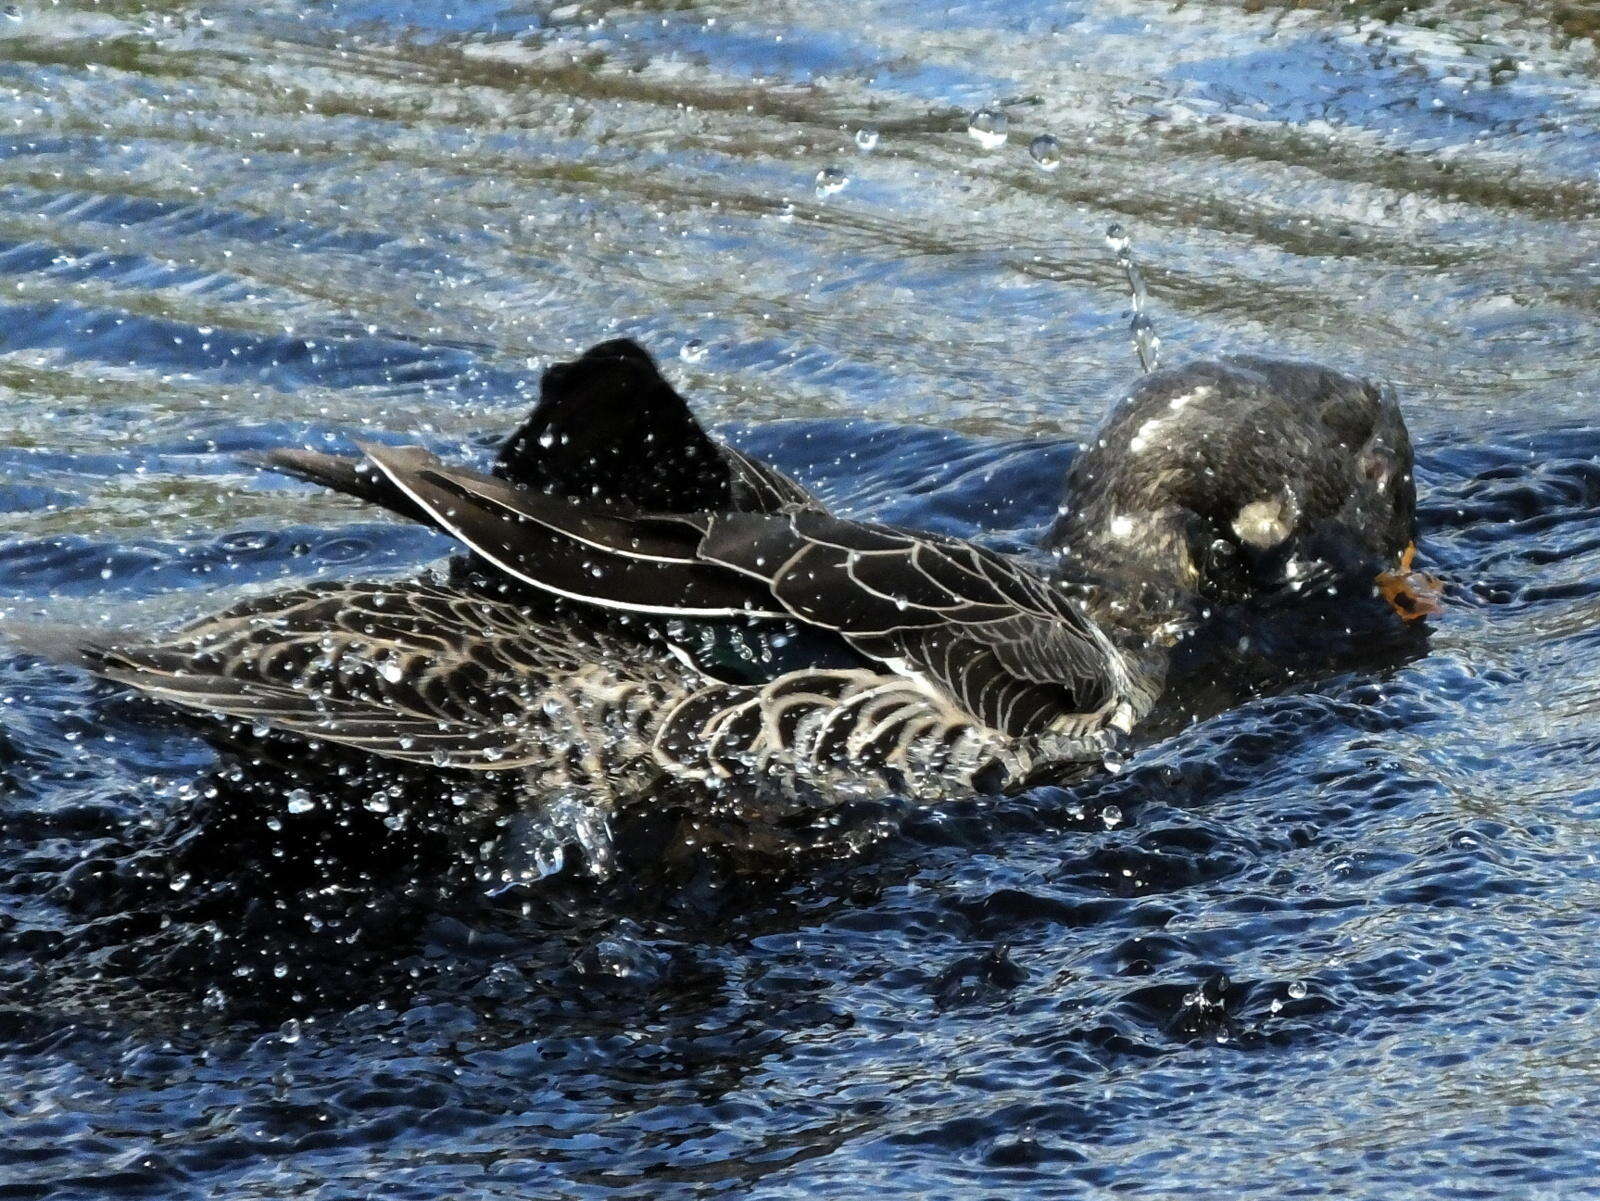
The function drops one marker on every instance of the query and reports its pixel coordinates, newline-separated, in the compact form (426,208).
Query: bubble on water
(290,1031)
(1298,990)
(867,138)
(831,180)
(1117,239)
(12,12)
(692,351)
(1111,815)
(988,128)
(1046,152)
(299,801)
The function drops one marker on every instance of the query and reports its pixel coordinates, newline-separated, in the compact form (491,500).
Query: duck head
(1244,480)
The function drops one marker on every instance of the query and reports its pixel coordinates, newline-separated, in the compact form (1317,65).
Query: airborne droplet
(1046,152)
(987,127)
(831,180)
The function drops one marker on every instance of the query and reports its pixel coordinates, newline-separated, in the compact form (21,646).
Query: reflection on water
(1336,941)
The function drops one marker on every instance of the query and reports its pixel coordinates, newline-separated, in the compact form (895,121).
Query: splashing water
(1146,345)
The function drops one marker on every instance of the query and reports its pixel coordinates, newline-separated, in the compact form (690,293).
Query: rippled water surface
(1338,941)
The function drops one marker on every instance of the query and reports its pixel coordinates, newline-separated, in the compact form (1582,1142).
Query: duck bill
(1412,594)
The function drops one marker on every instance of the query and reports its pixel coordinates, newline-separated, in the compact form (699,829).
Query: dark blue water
(1336,941)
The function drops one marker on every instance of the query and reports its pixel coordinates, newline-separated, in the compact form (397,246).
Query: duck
(635,605)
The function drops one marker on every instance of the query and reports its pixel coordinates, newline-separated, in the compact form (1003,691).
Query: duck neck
(1143,604)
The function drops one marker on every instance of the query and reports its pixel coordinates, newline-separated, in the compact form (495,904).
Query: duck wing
(1000,641)
(350,476)
(759,487)
(606,555)
(984,632)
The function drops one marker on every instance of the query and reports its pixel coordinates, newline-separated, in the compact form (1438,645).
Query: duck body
(589,637)
(637,606)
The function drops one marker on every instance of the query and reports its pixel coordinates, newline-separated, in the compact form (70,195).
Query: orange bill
(1412,594)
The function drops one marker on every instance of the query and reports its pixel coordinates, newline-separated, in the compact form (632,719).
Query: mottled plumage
(627,585)
(1236,479)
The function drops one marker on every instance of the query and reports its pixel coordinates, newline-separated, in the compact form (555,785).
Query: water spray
(1146,343)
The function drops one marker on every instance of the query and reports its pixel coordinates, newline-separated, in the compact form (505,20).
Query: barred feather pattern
(433,675)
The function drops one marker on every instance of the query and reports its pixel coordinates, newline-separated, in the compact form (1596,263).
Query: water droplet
(988,128)
(831,180)
(1112,816)
(300,801)
(13,12)
(290,1031)
(692,351)
(1298,990)
(1117,239)
(1146,341)
(1046,152)
(391,670)
(867,138)
(377,803)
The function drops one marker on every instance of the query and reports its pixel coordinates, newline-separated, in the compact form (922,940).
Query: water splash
(1146,343)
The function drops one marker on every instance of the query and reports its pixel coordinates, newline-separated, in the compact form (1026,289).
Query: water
(1335,942)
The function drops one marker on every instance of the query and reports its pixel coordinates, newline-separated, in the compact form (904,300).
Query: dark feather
(609,427)
(604,556)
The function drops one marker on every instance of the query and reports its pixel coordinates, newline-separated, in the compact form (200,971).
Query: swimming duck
(568,642)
